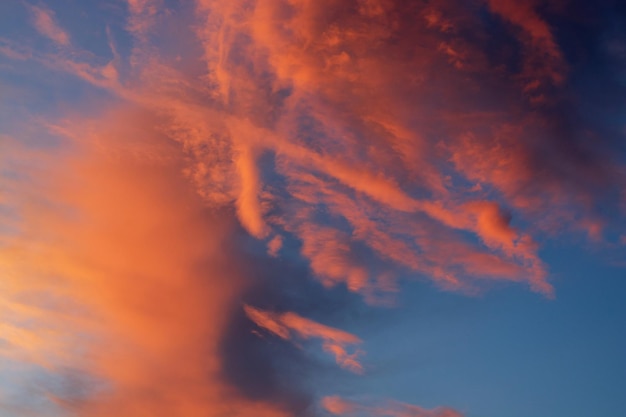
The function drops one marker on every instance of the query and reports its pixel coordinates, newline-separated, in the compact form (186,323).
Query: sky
(312,208)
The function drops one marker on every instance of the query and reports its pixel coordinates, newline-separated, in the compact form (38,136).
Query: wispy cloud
(105,268)
(289,325)
(344,407)
(44,20)
(268,154)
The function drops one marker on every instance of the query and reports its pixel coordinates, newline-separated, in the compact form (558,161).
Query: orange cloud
(370,146)
(142,16)
(544,58)
(120,271)
(524,16)
(366,156)
(331,258)
(248,204)
(286,325)
(343,407)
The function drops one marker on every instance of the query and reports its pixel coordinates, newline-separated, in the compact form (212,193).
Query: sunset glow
(312,208)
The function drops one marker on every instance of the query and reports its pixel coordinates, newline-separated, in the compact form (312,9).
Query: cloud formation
(308,104)
(334,340)
(116,262)
(343,407)
(45,22)
(168,252)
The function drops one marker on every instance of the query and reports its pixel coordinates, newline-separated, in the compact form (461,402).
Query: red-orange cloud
(372,141)
(121,272)
(286,325)
(45,23)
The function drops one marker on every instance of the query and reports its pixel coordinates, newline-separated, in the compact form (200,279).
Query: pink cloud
(45,22)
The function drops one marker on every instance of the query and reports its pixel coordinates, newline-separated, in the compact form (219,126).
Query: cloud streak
(286,325)
(343,407)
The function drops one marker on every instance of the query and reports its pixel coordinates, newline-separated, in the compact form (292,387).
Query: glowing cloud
(213,154)
(286,325)
(114,277)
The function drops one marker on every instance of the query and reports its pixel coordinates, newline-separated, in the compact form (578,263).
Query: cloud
(343,407)
(293,155)
(307,132)
(248,205)
(45,22)
(287,325)
(113,265)
(143,14)
(544,64)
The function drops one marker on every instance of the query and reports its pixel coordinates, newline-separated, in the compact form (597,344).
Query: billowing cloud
(113,266)
(286,325)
